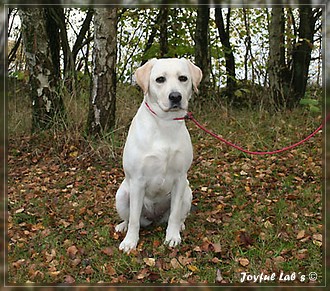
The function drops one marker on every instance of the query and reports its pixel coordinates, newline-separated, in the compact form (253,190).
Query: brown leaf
(279,259)
(301,254)
(110,270)
(244,261)
(108,251)
(72,251)
(317,237)
(175,264)
(197,249)
(50,256)
(69,279)
(142,274)
(149,261)
(19,263)
(244,239)
(89,270)
(216,247)
(301,234)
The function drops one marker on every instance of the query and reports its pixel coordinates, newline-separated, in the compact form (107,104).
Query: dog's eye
(183,78)
(160,80)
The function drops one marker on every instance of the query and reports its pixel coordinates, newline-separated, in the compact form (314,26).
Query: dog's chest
(163,167)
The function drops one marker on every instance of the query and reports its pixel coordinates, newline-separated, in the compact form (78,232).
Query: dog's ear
(142,75)
(196,74)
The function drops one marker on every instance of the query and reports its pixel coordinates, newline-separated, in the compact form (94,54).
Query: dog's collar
(154,113)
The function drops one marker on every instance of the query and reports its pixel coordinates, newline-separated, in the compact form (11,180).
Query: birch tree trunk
(47,104)
(103,97)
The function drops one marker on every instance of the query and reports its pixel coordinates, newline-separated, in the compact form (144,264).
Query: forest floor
(256,215)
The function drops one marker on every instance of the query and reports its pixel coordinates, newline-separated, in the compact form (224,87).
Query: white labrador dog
(158,152)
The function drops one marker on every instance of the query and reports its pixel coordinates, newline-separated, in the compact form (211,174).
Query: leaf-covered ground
(253,215)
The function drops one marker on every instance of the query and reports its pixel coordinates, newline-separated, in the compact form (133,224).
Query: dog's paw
(121,227)
(128,245)
(172,240)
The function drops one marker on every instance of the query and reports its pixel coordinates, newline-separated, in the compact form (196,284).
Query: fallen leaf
(19,263)
(76,262)
(142,274)
(301,234)
(50,256)
(54,273)
(216,247)
(268,224)
(72,251)
(301,254)
(244,239)
(243,261)
(110,270)
(20,210)
(149,261)
(89,270)
(175,264)
(279,259)
(69,279)
(192,268)
(317,237)
(108,251)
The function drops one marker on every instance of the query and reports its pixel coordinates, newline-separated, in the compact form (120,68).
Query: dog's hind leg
(122,206)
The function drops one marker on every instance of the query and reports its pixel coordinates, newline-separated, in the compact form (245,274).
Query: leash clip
(188,116)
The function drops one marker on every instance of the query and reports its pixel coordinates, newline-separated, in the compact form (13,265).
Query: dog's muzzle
(175,100)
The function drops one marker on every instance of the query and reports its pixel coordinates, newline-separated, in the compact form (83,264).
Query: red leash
(190,116)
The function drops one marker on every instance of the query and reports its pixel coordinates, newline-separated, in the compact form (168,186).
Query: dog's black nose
(175,97)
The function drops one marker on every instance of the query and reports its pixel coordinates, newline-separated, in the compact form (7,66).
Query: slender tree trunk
(47,104)
(163,32)
(301,56)
(103,97)
(202,57)
(279,77)
(229,55)
(58,18)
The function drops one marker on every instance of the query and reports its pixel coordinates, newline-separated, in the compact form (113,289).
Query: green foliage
(312,104)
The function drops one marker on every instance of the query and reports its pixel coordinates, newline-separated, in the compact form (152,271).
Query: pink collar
(154,113)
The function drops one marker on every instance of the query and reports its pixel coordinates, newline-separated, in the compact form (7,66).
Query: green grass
(247,214)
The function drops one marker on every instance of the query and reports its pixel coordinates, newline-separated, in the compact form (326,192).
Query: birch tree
(103,96)
(43,63)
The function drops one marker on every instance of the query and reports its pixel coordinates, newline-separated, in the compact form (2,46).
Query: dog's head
(169,82)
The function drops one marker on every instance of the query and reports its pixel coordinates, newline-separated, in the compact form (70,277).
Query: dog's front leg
(180,206)
(135,207)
